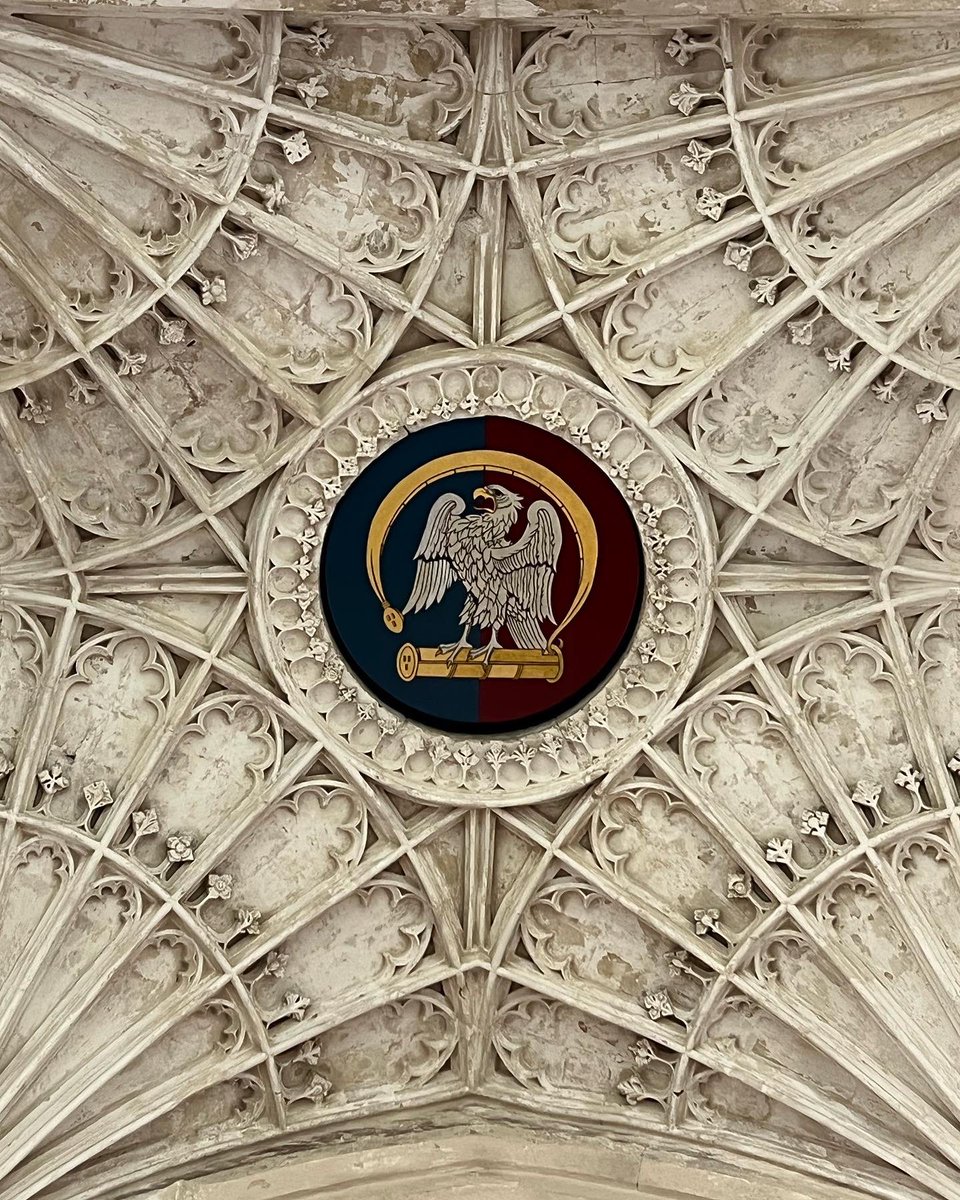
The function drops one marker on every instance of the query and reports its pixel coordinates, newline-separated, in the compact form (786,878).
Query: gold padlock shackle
(495,460)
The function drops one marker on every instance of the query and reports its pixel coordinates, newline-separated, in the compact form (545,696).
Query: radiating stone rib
(937,452)
(666,255)
(48,935)
(65,113)
(673,400)
(939,285)
(849,91)
(139,414)
(88,1140)
(37,474)
(167,578)
(316,250)
(85,54)
(49,178)
(364,137)
(347,1008)
(42,288)
(865,162)
(296,398)
(489,262)
(827,414)
(658,134)
(909,210)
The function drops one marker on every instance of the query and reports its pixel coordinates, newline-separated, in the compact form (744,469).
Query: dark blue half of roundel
(597,638)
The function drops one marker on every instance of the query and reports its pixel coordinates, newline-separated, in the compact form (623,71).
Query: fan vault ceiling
(244,901)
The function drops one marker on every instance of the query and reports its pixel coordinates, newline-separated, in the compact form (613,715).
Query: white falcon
(507,583)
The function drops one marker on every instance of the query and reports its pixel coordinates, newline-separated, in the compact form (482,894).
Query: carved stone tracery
(241,900)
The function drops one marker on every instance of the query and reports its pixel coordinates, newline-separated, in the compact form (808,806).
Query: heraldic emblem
(482,575)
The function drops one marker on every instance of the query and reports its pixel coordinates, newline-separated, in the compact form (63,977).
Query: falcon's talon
(485,653)
(451,649)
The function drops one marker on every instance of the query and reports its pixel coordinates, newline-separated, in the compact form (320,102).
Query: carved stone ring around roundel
(482,584)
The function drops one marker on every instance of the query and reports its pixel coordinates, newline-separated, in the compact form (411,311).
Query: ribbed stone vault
(243,904)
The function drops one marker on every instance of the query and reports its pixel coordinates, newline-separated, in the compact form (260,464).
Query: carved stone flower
(801,331)
(910,778)
(885,390)
(145,822)
(295,147)
(274,194)
(931,410)
(838,360)
(319,39)
(658,1005)
(295,1005)
(276,963)
(388,722)
(311,90)
(180,848)
(706,920)
(632,1090)
(739,885)
(219,887)
(35,409)
(647,650)
(173,332)
(97,795)
(213,291)
(814,823)
(866,793)
(679,962)
(308,539)
(465,756)
(780,850)
(83,393)
(764,289)
(711,203)
(130,364)
(953,764)
(686,99)
(248,920)
(53,780)
(643,1053)
(6,765)
(698,155)
(738,255)
(682,47)
(309,624)
(317,649)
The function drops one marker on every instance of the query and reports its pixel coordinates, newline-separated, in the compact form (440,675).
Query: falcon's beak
(483,493)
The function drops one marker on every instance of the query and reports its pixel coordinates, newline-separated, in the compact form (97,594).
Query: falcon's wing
(434,568)
(529,567)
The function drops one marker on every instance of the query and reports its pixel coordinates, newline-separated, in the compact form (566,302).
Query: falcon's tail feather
(526,632)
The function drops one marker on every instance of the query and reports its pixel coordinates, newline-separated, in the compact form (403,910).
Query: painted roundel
(482,576)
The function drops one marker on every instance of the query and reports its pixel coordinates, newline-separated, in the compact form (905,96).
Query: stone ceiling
(243,901)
